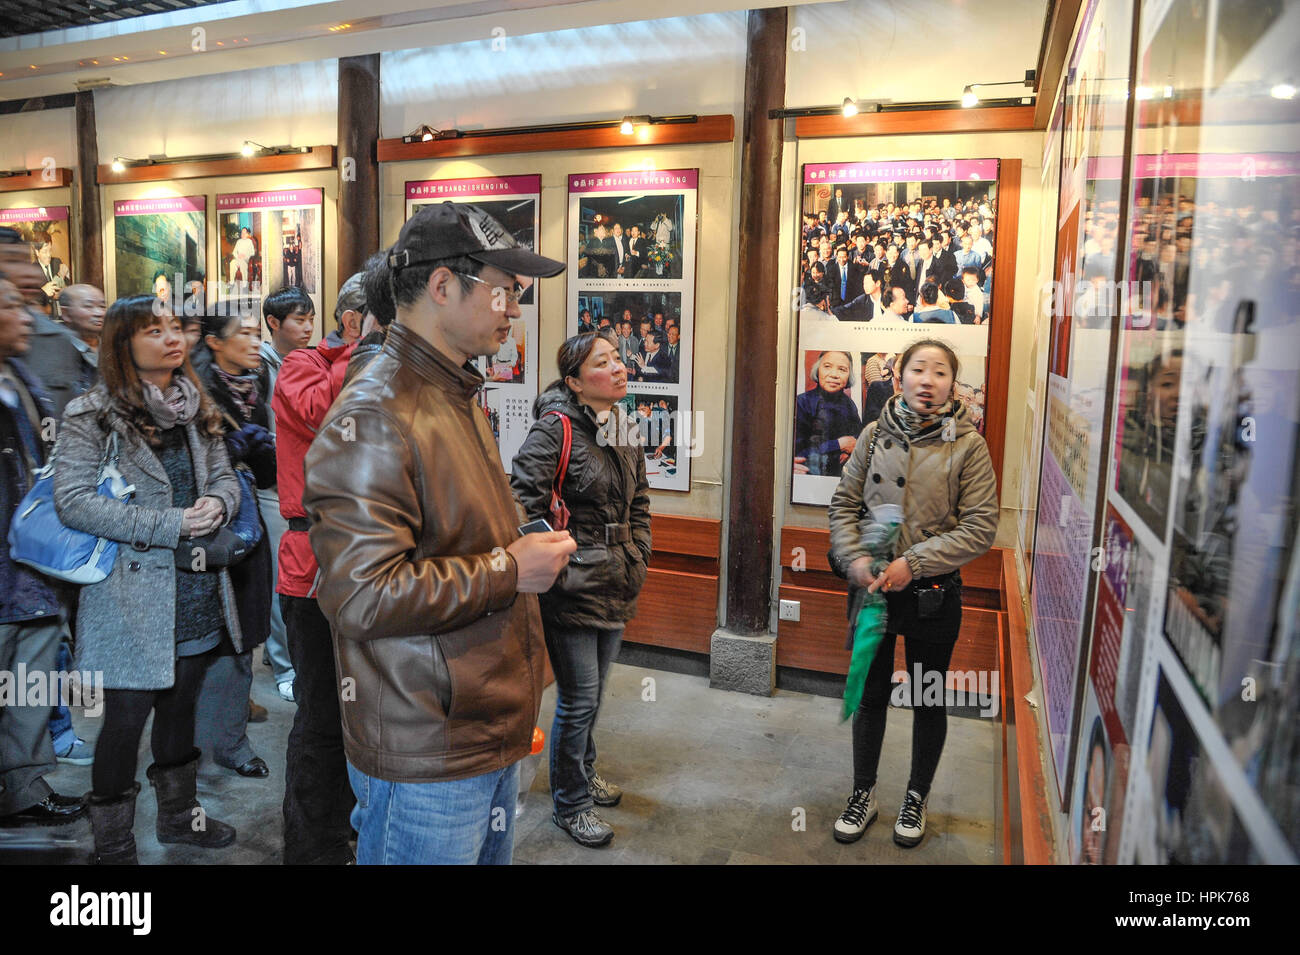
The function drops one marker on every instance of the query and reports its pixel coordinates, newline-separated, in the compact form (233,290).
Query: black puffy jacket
(608,498)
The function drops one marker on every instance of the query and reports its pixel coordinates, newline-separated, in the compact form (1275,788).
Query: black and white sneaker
(910,827)
(586,828)
(603,793)
(857,815)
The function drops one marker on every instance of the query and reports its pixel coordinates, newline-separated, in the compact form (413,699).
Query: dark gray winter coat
(126,623)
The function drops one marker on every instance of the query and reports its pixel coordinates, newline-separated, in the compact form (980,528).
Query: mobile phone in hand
(538,526)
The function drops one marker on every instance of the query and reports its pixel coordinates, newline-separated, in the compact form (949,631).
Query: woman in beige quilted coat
(924,455)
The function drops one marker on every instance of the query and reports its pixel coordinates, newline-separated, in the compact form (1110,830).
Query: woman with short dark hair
(607,495)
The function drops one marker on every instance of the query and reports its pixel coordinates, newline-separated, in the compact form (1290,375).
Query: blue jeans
(276,648)
(458,822)
(61,732)
(580,659)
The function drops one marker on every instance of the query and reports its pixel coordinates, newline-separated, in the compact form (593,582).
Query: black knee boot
(112,821)
(180,817)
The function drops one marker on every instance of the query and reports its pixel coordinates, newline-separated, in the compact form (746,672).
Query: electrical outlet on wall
(789,610)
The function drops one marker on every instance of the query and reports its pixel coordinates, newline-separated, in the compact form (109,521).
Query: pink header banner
(39,214)
(917,170)
(280,199)
(482,187)
(148,207)
(1199,165)
(634,180)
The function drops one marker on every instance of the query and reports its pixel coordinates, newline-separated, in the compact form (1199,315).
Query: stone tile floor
(710,777)
(713,777)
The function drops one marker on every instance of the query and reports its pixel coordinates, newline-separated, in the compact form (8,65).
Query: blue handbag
(40,540)
(247,524)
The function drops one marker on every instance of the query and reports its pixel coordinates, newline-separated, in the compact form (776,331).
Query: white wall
(656,67)
(26,139)
(910,52)
(294,105)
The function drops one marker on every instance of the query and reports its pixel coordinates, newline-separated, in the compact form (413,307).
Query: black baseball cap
(449,229)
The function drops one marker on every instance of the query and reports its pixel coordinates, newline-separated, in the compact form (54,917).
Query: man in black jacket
(30,612)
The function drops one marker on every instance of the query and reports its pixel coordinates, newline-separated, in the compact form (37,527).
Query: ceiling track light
(627,126)
(424,134)
(971,97)
(849,107)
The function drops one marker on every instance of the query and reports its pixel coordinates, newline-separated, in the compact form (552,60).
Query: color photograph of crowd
(648,326)
(929,260)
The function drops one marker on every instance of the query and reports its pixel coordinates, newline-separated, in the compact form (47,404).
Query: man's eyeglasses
(512,295)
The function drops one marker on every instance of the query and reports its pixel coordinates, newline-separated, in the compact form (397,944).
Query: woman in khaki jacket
(924,455)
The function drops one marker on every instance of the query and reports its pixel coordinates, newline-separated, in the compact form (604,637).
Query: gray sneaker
(586,828)
(603,793)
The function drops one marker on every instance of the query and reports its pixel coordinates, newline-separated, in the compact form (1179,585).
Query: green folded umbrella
(866,639)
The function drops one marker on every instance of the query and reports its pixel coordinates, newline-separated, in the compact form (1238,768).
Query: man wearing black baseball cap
(426,581)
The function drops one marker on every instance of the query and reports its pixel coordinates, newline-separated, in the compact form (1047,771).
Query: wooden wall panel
(985,572)
(816,641)
(36,180)
(678,607)
(320,157)
(676,610)
(706,129)
(1028,790)
(979,119)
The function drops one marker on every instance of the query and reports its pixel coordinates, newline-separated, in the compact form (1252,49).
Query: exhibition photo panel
(1206,430)
(890,253)
(632,252)
(1092,120)
(160,246)
(45,228)
(512,372)
(268,241)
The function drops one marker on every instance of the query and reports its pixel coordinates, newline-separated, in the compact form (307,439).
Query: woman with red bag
(577,470)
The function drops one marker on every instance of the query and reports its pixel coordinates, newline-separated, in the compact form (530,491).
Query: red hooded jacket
(309,381)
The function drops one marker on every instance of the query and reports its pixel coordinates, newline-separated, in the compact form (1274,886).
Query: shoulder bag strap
(866,468)
(559,511)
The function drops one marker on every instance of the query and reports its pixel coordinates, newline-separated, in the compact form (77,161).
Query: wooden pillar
(358,114)
(753,405)
(88,254)
(742,654)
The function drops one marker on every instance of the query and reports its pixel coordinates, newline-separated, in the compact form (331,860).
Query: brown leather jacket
(440,661)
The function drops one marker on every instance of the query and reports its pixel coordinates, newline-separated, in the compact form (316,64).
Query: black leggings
(125,713)
(929,723)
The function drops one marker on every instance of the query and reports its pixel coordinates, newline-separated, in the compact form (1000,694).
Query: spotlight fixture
(254,148)
(119,164)
(1283,91)
(849,107)
(627,126)
(426,134)
(970,97)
